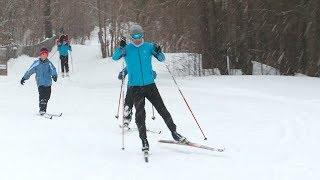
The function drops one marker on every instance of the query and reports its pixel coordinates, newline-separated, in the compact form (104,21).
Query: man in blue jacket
(128,102)
(64,48)
(45,72)
(138,56)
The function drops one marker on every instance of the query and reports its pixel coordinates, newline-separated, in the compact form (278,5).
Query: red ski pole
(185,100)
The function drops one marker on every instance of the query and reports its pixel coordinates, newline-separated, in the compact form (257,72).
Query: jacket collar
(138,44)
(43,61)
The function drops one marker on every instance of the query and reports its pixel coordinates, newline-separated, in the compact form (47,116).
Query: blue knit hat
(136,31)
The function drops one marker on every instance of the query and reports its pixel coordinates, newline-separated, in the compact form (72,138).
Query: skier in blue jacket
(45,72)
(64,48)
(128,102)
(138,58)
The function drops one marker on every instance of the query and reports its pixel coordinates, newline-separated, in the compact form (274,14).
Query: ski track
(269,126)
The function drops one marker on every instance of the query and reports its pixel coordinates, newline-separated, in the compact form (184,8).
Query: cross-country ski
(191,144)
(50,116)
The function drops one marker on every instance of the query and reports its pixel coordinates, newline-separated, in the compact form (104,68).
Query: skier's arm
(31,70)
(123,74)
(70,49)
(118,54)
(125,70)
(154,74)
(59,46)
(53,70)
(159,56)
(157,53)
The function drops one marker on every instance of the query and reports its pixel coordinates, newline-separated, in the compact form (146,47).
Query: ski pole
(153,117)
(122,121)
(52,54)
(123,101)
(185,100)
(119,102)
(72,63)
(58,60)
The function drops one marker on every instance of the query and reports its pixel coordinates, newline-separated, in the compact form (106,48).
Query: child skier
(45,72)
(64,48)
(138,56)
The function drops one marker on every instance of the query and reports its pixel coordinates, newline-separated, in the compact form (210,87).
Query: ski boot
(127,115)
(145,145)
(179,138)
(126,122)
(145,150)
(42,113)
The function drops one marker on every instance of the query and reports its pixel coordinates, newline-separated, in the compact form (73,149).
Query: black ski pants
(44,96)
(128,102)
(152,94)
(64,63)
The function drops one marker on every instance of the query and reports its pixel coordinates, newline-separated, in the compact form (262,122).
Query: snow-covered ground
(269,126)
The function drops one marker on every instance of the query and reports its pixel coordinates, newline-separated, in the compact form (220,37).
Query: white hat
(136,29)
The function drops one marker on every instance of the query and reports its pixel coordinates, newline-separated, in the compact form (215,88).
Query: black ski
(191,144)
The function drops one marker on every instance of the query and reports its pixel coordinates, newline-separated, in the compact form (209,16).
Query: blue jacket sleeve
(59,47)
(125,70)
(159,56)
(154,75)
(53,70)
(31,70)
(69,47)
(118,54)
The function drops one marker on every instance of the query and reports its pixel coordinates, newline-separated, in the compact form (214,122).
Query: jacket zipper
(140,66)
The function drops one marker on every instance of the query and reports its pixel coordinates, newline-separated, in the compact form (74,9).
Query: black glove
(122,74)
(157,48)
(22,81)
(123,42)
(55,78)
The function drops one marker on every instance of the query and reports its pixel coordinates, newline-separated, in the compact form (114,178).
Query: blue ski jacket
(44,70)
(125,73)
(138,61)
(64,49)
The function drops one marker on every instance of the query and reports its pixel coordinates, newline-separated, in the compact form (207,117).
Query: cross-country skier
(128,102)
(138,56)
(45,72)
(64,48)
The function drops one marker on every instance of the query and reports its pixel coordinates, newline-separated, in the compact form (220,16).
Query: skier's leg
(67,65)
(128,104)
(139,102)
(154,97)
(129,97)
(42,103)
(47,96)
(62,65)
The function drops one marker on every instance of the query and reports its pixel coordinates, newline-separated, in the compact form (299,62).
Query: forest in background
(284,34)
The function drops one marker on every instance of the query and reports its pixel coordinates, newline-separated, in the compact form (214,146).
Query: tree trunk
(47,19)
(204,35)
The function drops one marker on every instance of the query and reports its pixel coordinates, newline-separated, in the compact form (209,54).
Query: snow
(269,126)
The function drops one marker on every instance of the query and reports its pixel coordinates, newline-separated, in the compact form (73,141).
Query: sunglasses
(136,36)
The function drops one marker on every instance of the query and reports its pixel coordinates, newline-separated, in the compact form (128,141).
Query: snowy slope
(269,126)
